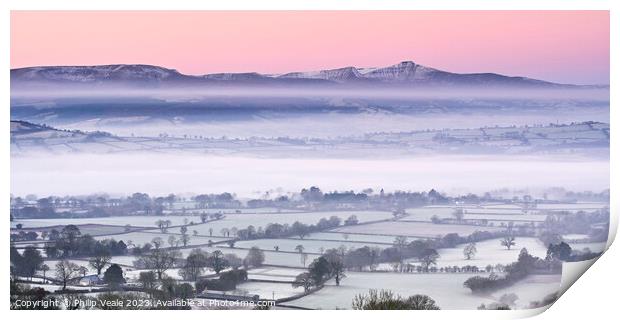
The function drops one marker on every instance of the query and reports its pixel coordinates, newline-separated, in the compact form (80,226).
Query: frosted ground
(282,266)
(135,221)
(490,252)
(268,290)
(446,289)
(142,238)
(313,246)
(271,258)
(593,246)
(507,217)
(238,220)
(351,237)
(415,229)
(274,273)
(532,288)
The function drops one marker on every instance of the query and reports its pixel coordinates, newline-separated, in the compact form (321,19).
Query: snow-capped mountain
(406,73)
(337,75)
(91,74)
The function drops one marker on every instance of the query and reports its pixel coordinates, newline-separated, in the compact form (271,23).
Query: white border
(589,304)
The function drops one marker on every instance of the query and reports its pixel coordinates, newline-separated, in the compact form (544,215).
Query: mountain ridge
(405,73)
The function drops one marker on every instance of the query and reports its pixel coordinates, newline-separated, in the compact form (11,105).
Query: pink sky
(561,46)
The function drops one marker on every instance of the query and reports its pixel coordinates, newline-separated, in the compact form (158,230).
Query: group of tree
(71,243)
(327,266)
(296,229)
(26,264)
(227,281)
(387,300)
(196,263)
(525,265)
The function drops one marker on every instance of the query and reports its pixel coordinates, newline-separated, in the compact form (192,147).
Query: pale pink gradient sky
(561,46)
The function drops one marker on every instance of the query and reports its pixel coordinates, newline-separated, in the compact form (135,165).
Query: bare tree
(163,225)
(470,250)
(194,266)
(65,271)
(83,271)
(185,239)
(508,241)
(172,241)
(159,260)
(45,268)
(147,280)
(225,232)
(100,260)
(157,242)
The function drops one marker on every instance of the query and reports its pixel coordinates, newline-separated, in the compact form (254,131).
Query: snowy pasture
(506,217)
(592,246)
(490,252)
(271,258)
(134,221)
(141,238)
(275,273)
(446,289)
(309,246)
(532,288)
(415,229)
(268,290)
(352,237)
(241,221)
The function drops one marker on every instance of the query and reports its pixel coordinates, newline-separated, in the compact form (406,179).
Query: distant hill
(403,74)
(588,138)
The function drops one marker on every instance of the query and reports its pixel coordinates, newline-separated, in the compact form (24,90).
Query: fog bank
(168,173)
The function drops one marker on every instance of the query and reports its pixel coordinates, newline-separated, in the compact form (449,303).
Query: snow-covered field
(313,246)
(271,258)
(275,273)
(425,213)
(415,229)
(241,221)
(134,221)
(267,290)
(490,252)
(593,246)
(52,265)
(574,236)
(532,288)
(141,238)
(573,206)
(351,237)
(238,220)
(132,275)
(506,217)
(446,289)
